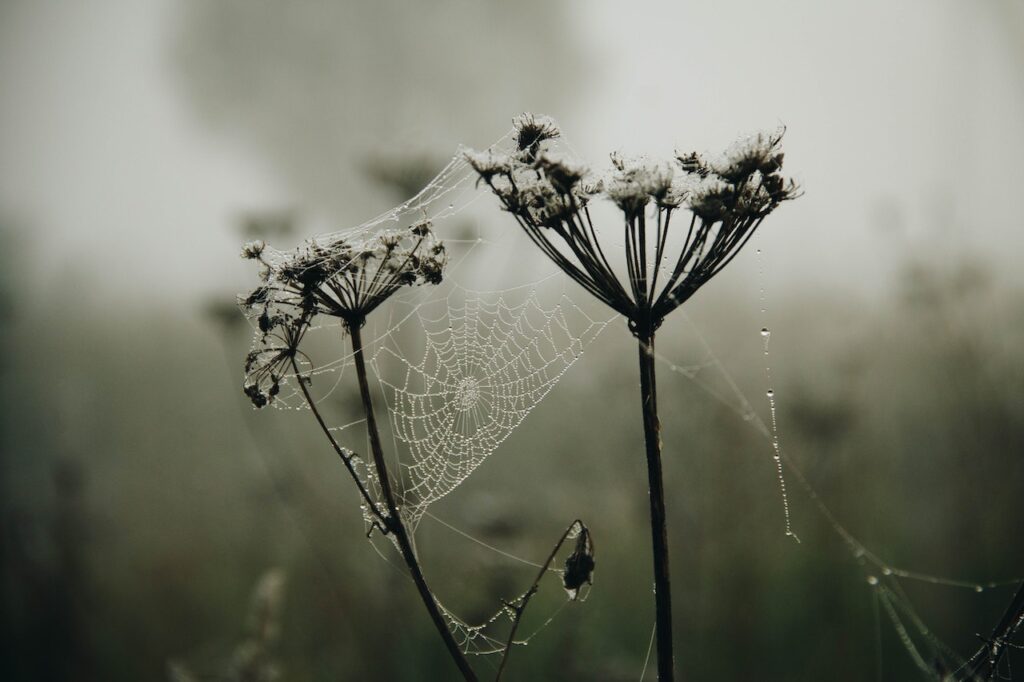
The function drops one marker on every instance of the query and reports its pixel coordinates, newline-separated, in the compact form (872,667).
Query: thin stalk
(345,458)
(521,608)
(394,523)
(659,531)
(999,641)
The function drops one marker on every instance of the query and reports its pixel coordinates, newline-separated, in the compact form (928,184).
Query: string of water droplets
(766,334)
(881,577)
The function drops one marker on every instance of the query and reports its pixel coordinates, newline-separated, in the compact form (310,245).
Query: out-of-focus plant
(253,659)
(723,200)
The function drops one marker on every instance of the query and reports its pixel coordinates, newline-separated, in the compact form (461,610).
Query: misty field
(422,428)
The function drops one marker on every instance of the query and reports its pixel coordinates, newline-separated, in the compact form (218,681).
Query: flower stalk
(393,522)
(727,198)
(347,281)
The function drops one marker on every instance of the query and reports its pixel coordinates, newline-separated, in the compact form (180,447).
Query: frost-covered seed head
(709,198)
(532,130)
(488,164)
(254,249)
(563,173)
(693,163)
(757,152)
(629,195)
(340,277)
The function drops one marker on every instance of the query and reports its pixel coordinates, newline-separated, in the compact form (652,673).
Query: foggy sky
(904,124)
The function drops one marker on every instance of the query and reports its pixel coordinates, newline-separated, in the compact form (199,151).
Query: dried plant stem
(346,458)
(393,521)
(659,530)
(520,608)
(985,663)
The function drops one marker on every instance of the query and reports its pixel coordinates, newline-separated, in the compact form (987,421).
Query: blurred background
(150,521)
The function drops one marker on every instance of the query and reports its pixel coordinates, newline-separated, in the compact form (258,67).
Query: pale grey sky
(904,126)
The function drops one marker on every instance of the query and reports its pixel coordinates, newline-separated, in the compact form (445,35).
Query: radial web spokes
(487,360)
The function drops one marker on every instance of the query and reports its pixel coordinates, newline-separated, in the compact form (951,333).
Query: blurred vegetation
(142,500)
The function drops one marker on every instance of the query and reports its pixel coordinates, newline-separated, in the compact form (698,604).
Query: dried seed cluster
(339,277)
(550,196)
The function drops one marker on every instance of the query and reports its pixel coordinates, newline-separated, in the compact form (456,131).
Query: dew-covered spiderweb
(458,365)
(486,361)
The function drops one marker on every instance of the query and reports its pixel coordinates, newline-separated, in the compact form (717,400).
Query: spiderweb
(487,361)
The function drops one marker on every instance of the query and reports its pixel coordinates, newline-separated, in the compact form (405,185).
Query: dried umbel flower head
(727,199)
(342,277)
(533,130)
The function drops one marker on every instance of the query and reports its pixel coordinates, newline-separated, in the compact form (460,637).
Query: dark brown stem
(345,457)
(394,522)
(659,532)
(525,599)
(986,661)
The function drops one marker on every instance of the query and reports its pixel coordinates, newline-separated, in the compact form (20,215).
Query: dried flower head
(254,249)
(754,153)
(342,277)
(488,164)
(727,198)
(273,358)
(532,130)
(562,173)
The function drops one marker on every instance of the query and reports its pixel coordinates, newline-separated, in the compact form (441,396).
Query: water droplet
(979,588)
(765,333)
(770,393)
(886,571)
(872,580)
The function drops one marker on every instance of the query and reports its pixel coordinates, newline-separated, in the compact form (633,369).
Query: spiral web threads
(488,360)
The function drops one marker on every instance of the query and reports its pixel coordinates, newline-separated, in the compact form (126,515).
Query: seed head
(254,250)
(563,173)
(345,277)
(488,164)
(532,130)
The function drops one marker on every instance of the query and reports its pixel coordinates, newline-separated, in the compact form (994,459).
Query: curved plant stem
(659,532)
(346,458)
(525,599)
(393,522)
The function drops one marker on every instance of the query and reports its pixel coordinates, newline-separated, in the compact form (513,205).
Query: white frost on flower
(705,195)
(488,163)
(747,154)
(562,172)
(537,122)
